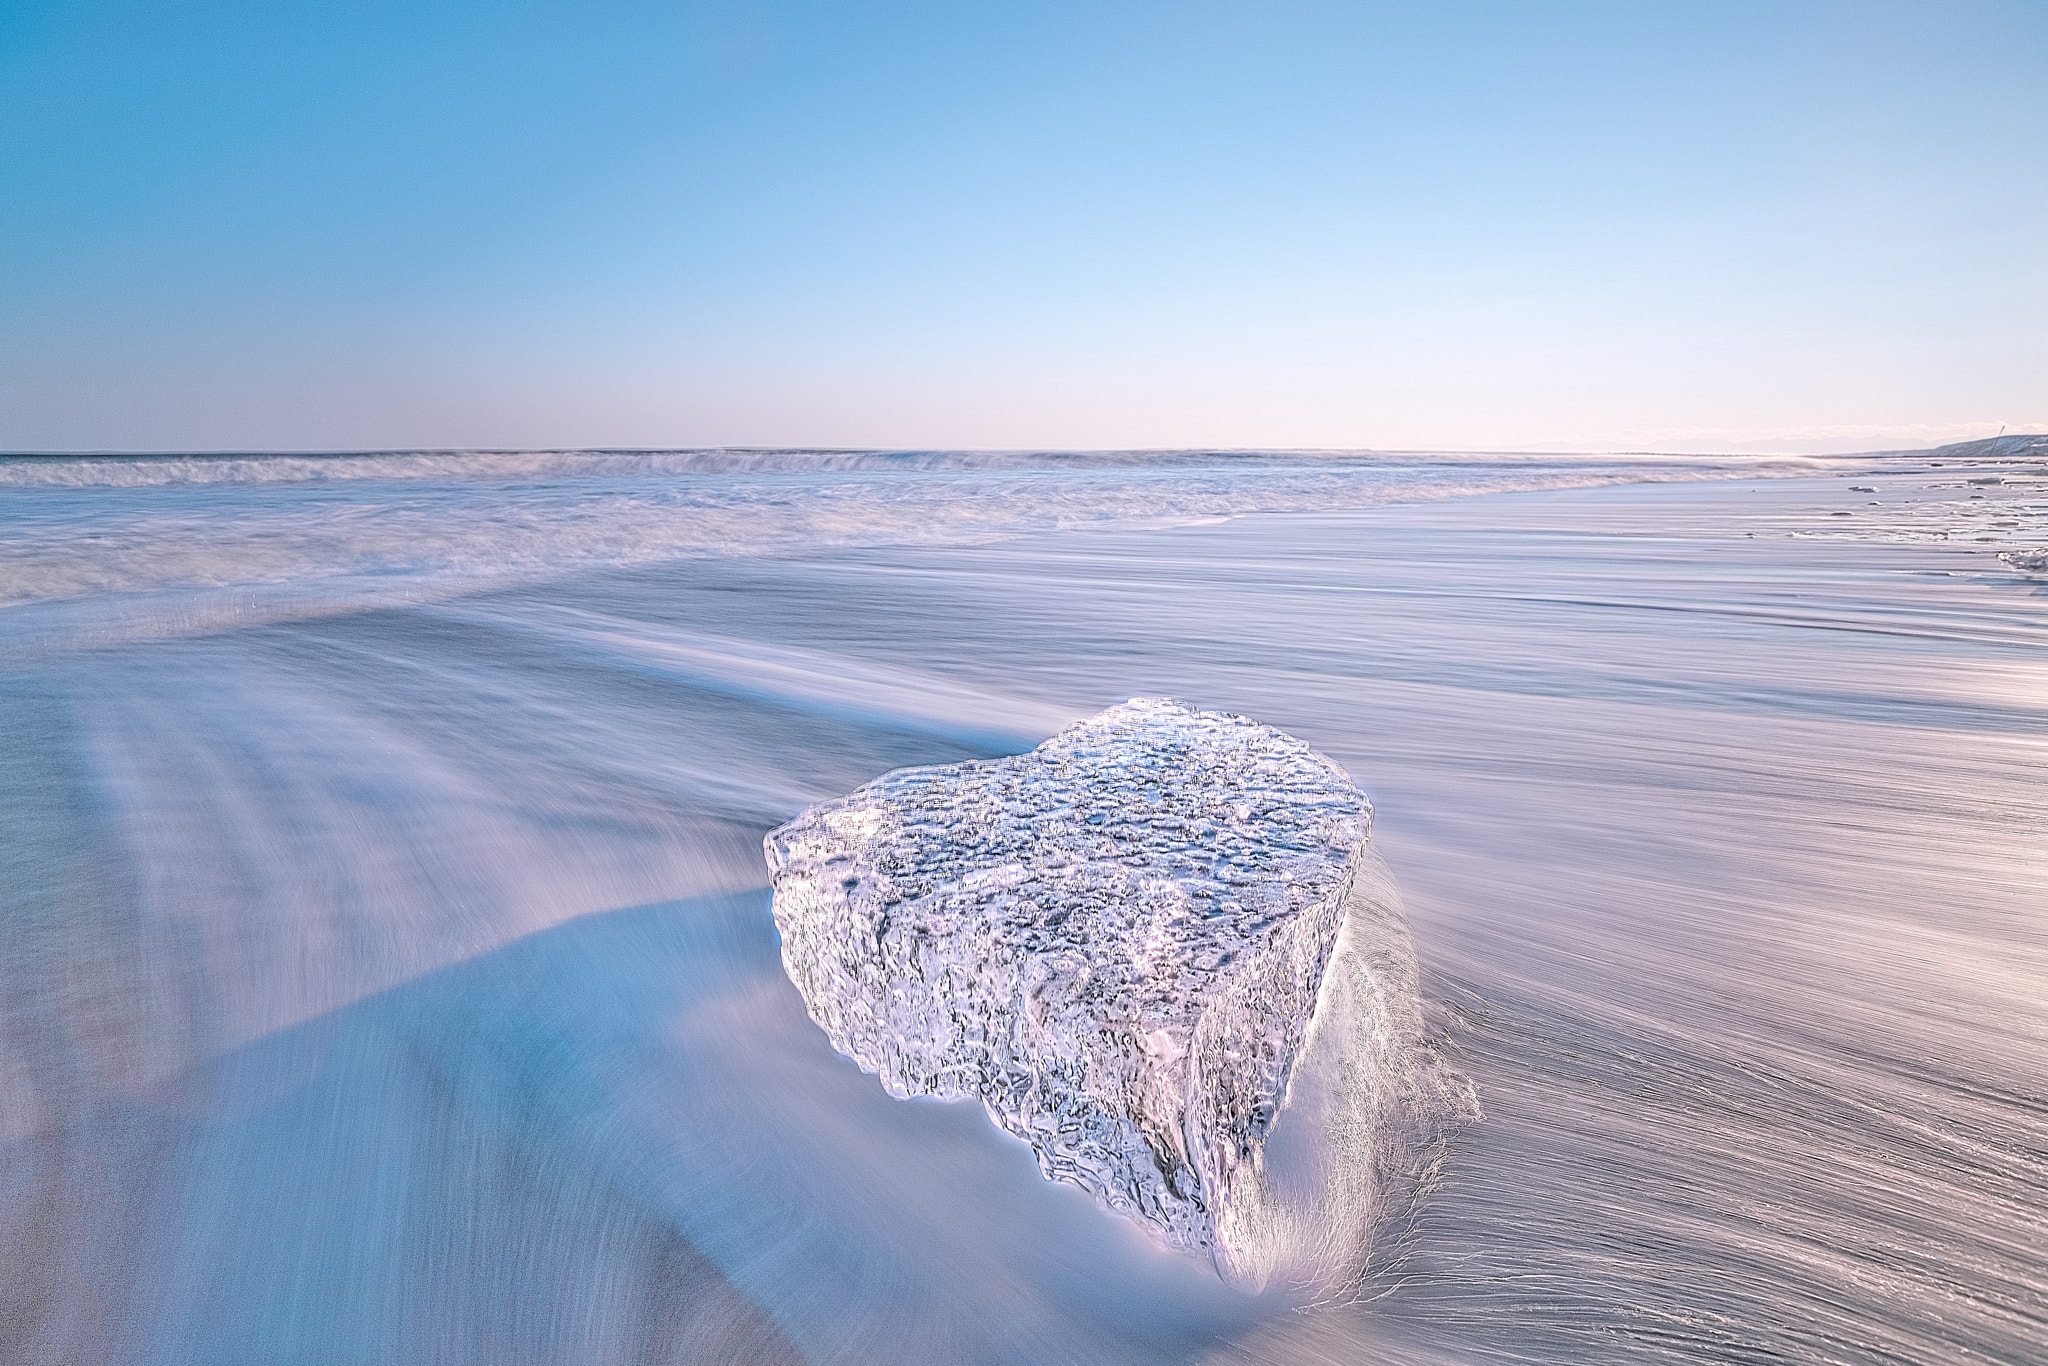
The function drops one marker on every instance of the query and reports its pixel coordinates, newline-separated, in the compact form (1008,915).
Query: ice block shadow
(622,1140)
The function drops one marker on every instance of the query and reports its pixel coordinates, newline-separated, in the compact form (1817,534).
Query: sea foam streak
(389,975)
(294,536)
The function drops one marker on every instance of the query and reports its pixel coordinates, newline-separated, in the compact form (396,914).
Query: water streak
(389,975)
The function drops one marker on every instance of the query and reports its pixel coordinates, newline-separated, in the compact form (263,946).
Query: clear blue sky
(1666,224)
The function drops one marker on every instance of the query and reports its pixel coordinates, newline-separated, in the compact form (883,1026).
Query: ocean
(388,974)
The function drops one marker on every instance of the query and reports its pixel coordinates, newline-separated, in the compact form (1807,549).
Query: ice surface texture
(1116,942)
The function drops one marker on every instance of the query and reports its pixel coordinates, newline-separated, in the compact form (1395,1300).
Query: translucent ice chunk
(1116,942)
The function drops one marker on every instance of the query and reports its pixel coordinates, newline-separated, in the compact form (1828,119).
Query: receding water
(388,974)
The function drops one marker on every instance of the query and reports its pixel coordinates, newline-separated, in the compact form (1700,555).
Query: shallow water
(389,975)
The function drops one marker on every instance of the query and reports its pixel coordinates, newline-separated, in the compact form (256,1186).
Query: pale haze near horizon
(1730,226)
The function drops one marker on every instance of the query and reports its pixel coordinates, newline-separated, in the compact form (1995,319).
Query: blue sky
(1569,224)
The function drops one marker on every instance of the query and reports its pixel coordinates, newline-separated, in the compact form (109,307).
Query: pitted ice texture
(1114,942)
